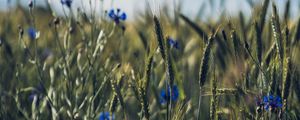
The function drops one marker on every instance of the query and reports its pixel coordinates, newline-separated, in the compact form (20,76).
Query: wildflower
(68,3)
(32,33)
(117,16)
(269,102)
(165,96)
(30,4)
(272,102)
(172,43)
(106,116)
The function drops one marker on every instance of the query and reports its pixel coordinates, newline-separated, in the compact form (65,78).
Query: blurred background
(207,10)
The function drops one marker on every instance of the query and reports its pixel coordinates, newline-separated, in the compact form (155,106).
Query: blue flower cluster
(106,116)
(270,102)
(166,96)
(68,3)
(30,3)
(172,42)
(117,16)
(32,33)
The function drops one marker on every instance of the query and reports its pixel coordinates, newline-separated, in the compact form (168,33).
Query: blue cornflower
(272,102)
(165,96)
(32,33)
(172,42)
(66,2)
(106,116)
(117,16)
(30,4)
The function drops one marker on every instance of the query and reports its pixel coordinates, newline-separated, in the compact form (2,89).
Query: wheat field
(161,65)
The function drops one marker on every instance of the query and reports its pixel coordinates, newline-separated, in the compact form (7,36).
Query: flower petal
(112,14)
(32,33)
(123,16)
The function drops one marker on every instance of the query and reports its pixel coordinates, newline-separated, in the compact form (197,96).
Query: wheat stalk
(277,32)
(204,70)
(164,50)
(288,79)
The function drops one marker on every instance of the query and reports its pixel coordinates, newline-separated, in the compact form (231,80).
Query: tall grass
(84,66)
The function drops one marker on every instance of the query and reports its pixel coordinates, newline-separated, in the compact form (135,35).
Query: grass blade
(197,28)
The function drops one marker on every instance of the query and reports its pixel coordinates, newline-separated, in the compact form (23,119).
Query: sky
(132,7)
